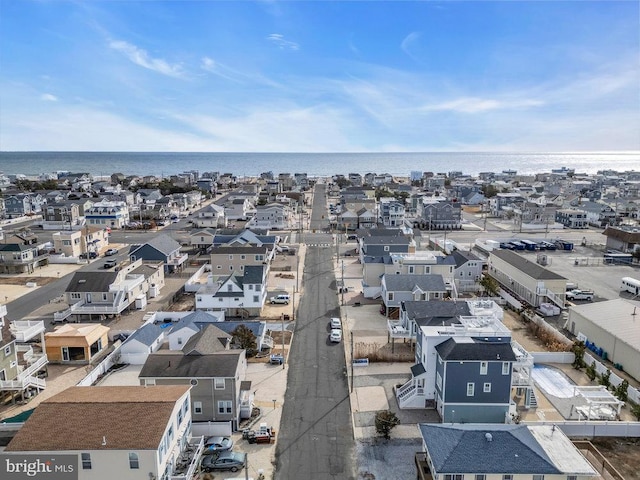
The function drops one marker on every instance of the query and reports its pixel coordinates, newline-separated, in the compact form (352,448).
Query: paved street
(316,439)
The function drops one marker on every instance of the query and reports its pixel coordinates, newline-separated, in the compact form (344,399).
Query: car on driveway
(217,444)
(225,461)
(336,335)
(335,323)
(279,299)
(110,252)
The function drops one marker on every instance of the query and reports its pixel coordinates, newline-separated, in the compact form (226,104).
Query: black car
(225,461)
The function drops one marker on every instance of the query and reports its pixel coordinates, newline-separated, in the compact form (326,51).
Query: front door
(88,297)
(65,354)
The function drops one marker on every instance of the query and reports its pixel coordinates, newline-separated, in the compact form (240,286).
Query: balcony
(398,330)
(27,377)
(422,467)
(179,260)
(188,459)
(25,330)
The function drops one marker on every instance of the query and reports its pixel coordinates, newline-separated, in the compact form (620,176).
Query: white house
(210,216)
(137,347)
(273,216)
(127,433)
(108,214)
(238,295)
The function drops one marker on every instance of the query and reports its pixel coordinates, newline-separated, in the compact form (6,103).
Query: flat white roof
(561,451)
(615,317)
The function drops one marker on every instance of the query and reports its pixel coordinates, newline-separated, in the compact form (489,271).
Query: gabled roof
(166,363)
(241,250)
(526,266)
(207,341)
(146,335)
(120,418)
(461,257)
(408,283)
(252,274)
(466,348)
(163,243)
(502,449)
(91,281)
(385,240)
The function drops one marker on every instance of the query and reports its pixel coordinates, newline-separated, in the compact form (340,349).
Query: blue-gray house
(481,374)
(162,248)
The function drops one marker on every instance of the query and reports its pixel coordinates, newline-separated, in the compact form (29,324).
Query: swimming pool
(553,381)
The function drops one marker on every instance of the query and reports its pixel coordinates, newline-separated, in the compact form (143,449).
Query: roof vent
(488,437)
(82,280)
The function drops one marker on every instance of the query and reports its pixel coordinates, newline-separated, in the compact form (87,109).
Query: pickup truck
(580,295)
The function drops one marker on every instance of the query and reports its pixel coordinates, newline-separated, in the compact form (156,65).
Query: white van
(282,299)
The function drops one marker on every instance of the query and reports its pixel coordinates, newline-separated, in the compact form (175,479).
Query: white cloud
(48,97)
(279,40)
(408,41)
(140,57)
(479,105)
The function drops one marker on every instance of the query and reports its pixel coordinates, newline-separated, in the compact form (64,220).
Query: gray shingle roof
(207,341)
(163,243)
(406,283)
(146,335)
(171,364)
(253,274)
(434,312)
(530,268)
(385,240)
(462,257)
(465,449)
(91,281)
(460,349)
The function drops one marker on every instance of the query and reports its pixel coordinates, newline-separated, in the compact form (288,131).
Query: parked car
(110,252)
(110,264)
(217,444)
(335,323)
(282,299)
(225,461)
(276,359)
(336,335)
(580,295)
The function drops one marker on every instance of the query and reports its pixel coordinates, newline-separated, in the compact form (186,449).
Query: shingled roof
(100,418)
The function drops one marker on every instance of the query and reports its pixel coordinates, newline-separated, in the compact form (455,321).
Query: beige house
(68,242)
(76,343)
(106,433)
(529,282)
(225,260)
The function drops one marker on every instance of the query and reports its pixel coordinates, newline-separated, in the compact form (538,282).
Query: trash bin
(285,317)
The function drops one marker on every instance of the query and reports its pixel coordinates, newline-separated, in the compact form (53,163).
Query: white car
(336,335)
(279,299)
(335,323)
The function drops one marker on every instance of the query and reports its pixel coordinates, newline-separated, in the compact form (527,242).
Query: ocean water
(314,164)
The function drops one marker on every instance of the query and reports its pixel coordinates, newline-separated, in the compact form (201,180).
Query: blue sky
(321,76)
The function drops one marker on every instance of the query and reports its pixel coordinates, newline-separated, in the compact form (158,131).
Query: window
(438,380)
(250,286)
(104,297)
(242,257)
(180,416)
(170,433)
(229,288)
(471,389)
(538,477)
(219,383)
(197,407)
(390,296)
(386,248)
(256,298)
(487,388)
(75,296)
(483,368)
(230,257)
(219,267)
(427,270)
(572,477)
(86,461)
(449,476)
(507,477)
(411,269)
(225,406)
(134,463)
(481,477)
(505,368)
(7,350)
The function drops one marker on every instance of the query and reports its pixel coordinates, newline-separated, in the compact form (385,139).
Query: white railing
(25,330)
(27,377)
(3,311)
(523,358)
(193,459)
(178,260)
(267,341)
(398,330)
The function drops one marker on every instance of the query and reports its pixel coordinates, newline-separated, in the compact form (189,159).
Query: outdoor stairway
(533,401)
(407,393)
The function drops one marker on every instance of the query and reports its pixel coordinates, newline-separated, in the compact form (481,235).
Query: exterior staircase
(531,397)
(410,395)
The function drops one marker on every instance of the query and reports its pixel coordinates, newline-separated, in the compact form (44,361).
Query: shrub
(621,391)
(386,420)
(591,371)
(635,411)
(605,379)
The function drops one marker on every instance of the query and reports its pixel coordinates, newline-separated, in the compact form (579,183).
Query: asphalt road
(316,435)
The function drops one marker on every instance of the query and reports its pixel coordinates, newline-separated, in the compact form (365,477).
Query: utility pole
(351,362)
(342,287)
(297,270)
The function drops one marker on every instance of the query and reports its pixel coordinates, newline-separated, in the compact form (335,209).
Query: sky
(319,76)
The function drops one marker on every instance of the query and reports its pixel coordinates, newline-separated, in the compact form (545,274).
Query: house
(19,205)
(489,451)
(20,254)
(161,248)
(273,216)
(531,283)
(235,259)
(102,293)
(68,243)
(391,212)
(214,371)
(61,215)
(396,289)
(145,340)
(243,293)
(76,343)
(190,324)
(21,358)
(108,214)
(239,209)
(451,376)
(441,215)
(210,216)
(501,200)
(127,432)
(571,218)
(468,270)
(611,328)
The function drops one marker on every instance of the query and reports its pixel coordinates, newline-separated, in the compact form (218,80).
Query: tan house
(226,260)
(68,242)
(76,343)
